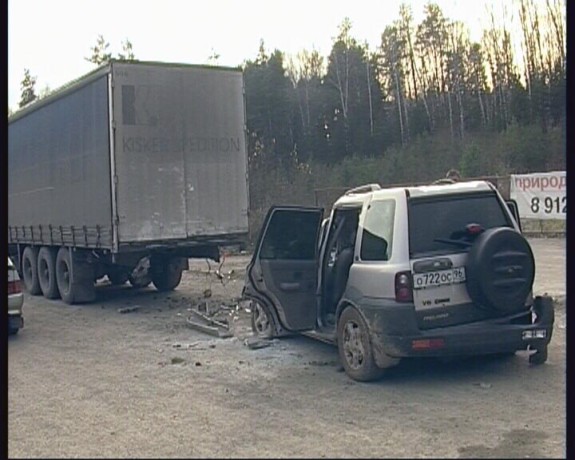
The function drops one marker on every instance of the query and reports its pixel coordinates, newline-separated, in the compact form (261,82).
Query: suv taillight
(403,288)
(14,287)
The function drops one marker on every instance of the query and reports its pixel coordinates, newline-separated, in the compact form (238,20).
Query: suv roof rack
(363,189)
(443,181)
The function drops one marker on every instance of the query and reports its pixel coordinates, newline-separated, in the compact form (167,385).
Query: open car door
(284,267)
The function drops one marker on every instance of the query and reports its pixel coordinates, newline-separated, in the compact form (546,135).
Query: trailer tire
(139,282)
(76,288)
(167,274)
(47,272)
(29,270)
(117,277)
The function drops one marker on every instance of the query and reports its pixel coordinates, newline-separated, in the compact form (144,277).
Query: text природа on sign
(540,195)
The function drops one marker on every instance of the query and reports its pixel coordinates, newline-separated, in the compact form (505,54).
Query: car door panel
(291,283)
(284,267)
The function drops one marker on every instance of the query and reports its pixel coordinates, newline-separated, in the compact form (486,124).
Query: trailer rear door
(180,151)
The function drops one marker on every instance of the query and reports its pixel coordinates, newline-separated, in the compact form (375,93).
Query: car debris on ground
(128,309)
(213,318)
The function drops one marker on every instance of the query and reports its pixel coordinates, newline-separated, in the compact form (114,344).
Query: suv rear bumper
(484,337)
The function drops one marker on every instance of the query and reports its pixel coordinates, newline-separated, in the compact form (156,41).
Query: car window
(447,218)
(376,241)
(291,235)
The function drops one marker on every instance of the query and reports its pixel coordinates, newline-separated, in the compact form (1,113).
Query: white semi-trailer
(127,172)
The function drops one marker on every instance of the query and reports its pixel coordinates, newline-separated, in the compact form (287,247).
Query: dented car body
(436,270)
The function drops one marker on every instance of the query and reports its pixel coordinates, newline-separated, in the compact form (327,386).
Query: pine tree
(28,87)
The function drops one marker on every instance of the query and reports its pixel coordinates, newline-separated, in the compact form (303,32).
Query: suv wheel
(354,346)
(263,324)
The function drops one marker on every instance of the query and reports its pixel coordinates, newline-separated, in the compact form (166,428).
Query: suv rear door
(284,266)
(441,231)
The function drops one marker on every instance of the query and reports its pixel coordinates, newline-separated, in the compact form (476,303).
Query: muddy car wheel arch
(500,270)
(355,348)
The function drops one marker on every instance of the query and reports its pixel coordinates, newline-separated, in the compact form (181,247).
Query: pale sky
(52,37)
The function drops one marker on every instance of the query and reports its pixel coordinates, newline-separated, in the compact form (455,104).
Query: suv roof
(358,195)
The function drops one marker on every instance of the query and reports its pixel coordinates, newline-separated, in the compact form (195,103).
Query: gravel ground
(89,381)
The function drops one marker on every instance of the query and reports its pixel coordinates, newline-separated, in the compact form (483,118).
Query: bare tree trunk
(461,111)
(398,97)
(405,111)
(406,23)
(340,87)
(301,110)
(424,98)
(369,95)
(450,114)
(529,52)
(412,65)
(557,21)
(482,107)
(308,118)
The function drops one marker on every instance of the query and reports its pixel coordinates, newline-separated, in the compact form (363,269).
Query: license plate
(439,278)
(536,334)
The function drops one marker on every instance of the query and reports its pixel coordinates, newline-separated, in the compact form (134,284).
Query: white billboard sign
(540,195)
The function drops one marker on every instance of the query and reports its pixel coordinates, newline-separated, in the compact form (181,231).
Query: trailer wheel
(47,272)
(139,282)
(117,277)
(73,289)
(30,270)
(167,274)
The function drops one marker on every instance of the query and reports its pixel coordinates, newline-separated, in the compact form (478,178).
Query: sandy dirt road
(88,381)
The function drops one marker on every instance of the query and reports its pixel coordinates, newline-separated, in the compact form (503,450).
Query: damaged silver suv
(435,270)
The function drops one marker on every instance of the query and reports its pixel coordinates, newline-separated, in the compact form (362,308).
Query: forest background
(428,99)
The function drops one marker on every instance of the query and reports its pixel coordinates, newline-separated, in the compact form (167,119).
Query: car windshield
(439,225)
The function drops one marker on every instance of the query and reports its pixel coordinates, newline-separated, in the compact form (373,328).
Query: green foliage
(28,88)
(127,51)
(271,110)
(425,159)
(427,100)
(527,148)
(100,54)
(470,164)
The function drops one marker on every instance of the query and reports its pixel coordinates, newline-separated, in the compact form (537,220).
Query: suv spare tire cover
(500,270)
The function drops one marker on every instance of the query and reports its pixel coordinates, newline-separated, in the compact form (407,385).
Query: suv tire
(500,270)
(354,346)
(262,321)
